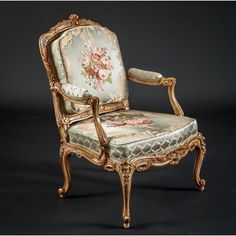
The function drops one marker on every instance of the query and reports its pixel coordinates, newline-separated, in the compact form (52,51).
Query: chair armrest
(71,93)
(144,76)
(81,97)
(75,92)
(156,79)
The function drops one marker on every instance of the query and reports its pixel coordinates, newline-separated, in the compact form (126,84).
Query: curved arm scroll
(94,103)
(170,83)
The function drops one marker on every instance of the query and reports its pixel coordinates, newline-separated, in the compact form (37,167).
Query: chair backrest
(87,55)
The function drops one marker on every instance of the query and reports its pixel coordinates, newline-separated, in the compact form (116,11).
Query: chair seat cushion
(133,133)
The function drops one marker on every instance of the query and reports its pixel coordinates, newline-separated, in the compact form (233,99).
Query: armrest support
(84,99)
(156,79)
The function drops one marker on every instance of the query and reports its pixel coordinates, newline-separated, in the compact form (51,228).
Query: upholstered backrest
(89,57)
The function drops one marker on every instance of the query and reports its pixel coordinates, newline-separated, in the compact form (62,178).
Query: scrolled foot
(202,184)
(61,192)
(200,145)
(126,222)
(64,159)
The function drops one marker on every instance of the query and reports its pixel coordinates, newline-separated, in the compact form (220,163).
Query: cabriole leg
(201,151)
(126,172)
(65,165)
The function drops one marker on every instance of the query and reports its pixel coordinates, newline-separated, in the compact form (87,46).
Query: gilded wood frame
(125,169)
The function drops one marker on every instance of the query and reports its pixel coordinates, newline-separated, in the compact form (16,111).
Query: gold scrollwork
(74,18)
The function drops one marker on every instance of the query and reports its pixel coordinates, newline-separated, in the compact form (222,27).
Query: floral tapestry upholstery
(89,58)
(135,133)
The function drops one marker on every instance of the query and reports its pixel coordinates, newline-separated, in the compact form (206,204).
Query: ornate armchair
(90,95)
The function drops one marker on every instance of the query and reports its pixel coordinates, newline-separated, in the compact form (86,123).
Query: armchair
(90,95)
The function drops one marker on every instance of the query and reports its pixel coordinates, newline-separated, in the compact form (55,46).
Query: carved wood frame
(125,169)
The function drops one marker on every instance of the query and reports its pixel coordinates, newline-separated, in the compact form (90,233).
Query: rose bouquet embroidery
(138,122)
(123,120)
(97,66)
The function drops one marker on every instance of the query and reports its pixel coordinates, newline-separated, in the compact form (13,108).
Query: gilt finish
(125,169)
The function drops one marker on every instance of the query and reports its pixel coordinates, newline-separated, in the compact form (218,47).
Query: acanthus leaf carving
(126,171)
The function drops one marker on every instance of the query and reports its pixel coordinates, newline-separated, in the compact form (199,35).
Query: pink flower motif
(147,121)
(103,74)
(97,54)
(130,122)
(119,123)
(98,51)
(110,66)
(96,57)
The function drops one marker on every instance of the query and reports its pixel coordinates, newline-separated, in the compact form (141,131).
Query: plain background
(192,41)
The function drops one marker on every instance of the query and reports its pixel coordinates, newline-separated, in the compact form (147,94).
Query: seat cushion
(135,133)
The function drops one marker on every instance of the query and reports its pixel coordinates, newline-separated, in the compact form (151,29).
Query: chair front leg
(126,171)
(201,151)
(65,165)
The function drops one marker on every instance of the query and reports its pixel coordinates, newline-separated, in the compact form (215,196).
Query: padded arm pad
(75,92)
(144,75)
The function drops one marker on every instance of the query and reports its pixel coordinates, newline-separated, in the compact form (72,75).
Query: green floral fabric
(89,58)
(134,133)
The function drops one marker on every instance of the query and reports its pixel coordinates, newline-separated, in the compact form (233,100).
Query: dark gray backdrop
(193,41)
